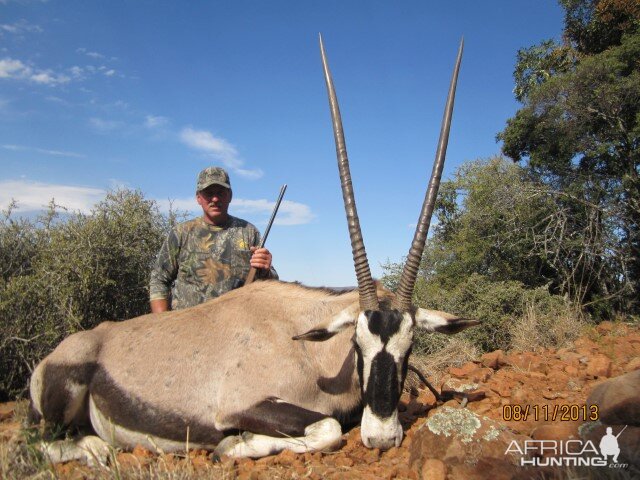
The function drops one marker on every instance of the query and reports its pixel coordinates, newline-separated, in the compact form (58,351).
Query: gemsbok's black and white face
(383,342)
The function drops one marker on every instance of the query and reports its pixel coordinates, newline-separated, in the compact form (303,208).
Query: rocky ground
(515,398)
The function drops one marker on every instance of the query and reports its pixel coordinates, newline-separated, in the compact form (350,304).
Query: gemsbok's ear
(327,329)
(442,322)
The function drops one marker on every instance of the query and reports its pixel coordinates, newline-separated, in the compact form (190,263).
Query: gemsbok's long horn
(366,286)
(402,300)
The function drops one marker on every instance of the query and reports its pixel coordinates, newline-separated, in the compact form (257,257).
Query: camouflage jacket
(199,261)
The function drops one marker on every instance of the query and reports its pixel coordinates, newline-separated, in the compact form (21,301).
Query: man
(207,256)
(609,445)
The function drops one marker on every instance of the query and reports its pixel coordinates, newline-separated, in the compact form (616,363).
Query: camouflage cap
(212,176)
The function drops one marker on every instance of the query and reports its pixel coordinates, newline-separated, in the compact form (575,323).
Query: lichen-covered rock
(458,436)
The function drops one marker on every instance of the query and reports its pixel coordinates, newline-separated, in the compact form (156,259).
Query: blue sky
(144,94)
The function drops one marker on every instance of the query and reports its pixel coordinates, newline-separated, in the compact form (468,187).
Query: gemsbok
(267,367)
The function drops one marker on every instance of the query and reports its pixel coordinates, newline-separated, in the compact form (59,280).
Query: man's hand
(260,258)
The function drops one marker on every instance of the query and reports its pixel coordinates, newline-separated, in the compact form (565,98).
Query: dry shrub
(538,329)
(454,352)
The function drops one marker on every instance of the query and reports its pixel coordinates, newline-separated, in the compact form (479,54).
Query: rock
(72,470)
(458,385)
(599,366)
(141,452)
(487,468)
(519,395)
(480,375)
(433,469)
(344,462)
(286,457)
(464,370)
(503,387)
(127,460)
(571,370)
(618,399)
(584,346)
(459,437)
(628,440)
(495,359)
(201,463)
(634,364)
(557,431)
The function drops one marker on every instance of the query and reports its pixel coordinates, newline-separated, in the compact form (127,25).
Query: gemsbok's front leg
(274,425)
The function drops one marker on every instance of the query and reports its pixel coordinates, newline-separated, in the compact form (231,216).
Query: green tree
(578,132)
(64,273)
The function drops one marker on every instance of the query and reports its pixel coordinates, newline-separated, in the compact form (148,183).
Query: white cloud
(152,121)
(16,69)
(49,78)
(54,99)
(289,213)
(205,142)
(89,53)
(76,71)
(250,174)
(21,26)
(35,196)
(55,153)
(105,126)
(219,149)
(179,204)
(10,68)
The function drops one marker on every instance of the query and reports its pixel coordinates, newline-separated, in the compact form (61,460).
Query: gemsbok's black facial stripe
(382,392)
(385,324)
(359,366)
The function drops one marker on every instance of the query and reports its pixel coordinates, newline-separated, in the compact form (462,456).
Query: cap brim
(225,185)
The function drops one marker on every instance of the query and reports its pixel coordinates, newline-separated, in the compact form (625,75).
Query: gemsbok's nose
(380,432)
(382,443)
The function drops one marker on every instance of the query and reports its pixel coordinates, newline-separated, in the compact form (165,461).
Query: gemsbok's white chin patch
(382,433)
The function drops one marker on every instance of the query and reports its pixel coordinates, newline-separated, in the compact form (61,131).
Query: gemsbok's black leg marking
(275,418)
(274,425)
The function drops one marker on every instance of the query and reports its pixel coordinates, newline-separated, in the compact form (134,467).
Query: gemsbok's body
(285,365)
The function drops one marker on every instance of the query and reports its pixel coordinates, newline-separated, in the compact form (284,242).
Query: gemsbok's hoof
(226,447)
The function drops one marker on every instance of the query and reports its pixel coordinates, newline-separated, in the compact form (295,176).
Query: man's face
(214,201)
